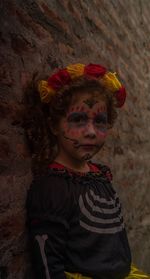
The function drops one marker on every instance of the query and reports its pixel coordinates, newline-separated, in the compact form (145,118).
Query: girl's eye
(77,118)
(101,120)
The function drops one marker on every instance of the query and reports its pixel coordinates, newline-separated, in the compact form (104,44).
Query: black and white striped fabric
(76,225)
(99,214)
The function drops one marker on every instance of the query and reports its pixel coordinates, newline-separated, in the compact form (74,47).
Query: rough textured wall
(41,36)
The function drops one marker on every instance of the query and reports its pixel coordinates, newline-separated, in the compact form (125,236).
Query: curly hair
(41,140)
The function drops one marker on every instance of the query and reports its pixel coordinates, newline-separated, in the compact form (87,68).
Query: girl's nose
(90,131)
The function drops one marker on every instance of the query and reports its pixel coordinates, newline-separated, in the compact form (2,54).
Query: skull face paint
(82,132)
(85,129)
(80,121)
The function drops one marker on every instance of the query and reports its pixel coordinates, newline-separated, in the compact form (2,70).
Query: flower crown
(65,76)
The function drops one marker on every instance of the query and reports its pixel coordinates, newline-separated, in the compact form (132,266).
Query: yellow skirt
(134,274)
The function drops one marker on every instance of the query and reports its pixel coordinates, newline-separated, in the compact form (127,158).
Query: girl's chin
(87,156)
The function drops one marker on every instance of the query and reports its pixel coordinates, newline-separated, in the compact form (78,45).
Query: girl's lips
(88,144)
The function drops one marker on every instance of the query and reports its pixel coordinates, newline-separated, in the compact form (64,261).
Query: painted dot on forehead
(101,108)
(76,108)
(71,109)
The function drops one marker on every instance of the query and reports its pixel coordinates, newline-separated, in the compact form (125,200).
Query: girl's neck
(75,166)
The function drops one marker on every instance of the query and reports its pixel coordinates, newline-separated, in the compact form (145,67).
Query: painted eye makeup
(77,117)
(101,119)
(101,122)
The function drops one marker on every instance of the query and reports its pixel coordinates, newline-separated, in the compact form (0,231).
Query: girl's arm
(48,209)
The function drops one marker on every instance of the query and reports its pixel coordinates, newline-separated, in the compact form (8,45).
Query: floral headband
(63,77)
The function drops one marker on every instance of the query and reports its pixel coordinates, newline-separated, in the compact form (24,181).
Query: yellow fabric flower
(76,276)
(110,81)
(135,273)
(75,70)
(46,92)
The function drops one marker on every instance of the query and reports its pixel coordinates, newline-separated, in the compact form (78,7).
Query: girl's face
(82,132)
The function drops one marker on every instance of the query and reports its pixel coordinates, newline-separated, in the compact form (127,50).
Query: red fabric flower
(58,80)
(120,96)
(94,70)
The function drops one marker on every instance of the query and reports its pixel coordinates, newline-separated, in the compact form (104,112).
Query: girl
(74,215)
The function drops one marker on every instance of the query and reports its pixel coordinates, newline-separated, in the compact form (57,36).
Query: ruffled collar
(93,168)
(96,170)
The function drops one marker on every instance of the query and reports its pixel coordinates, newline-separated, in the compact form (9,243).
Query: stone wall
(44,35)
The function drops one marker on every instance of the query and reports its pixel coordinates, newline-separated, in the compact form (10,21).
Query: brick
(38,37)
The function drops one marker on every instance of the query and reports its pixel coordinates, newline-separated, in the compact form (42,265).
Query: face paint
(77,118)
(100,122)
(86,157)
(101,118)
(83,130)
(74,141)
(81,119)
(90,102)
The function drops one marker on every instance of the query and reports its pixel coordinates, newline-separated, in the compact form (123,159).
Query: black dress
(75,224)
